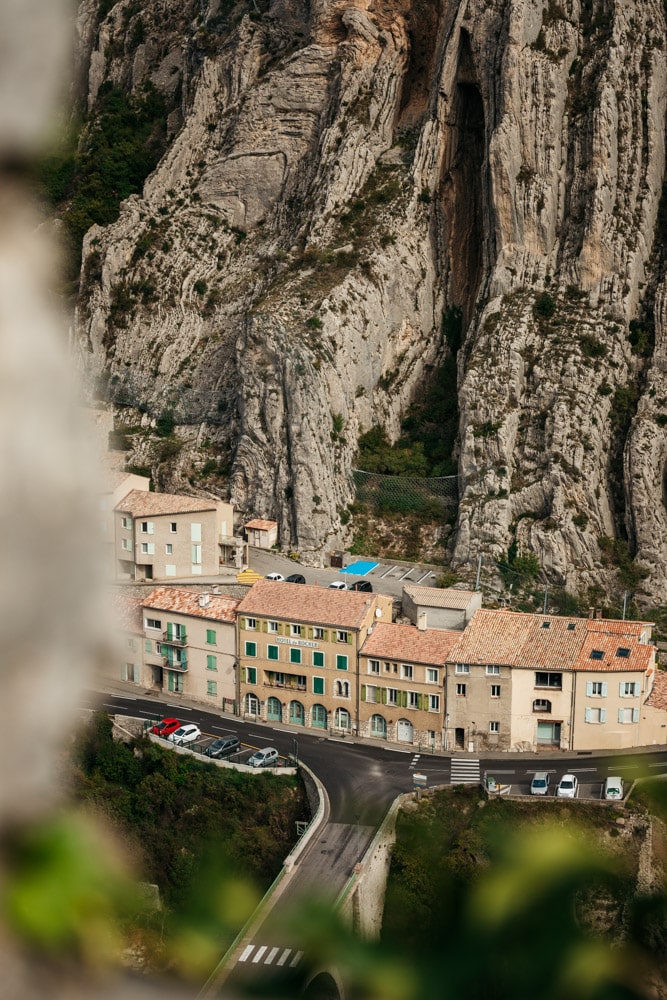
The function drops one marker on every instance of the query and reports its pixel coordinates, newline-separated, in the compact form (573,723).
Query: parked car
(186,734)
(613,789)
(364,585)
(166,727)
(567,787)
(295,578)
(223,747)
(267,757)
(276,577)
(337,585)
(540,783)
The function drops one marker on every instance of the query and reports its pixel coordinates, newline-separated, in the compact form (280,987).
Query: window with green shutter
(272,652)
(294,655)
(212,688)
(341,662)
(318,659)
(210,637)
(211,663)
(251,649)
(318,685)
(251,675)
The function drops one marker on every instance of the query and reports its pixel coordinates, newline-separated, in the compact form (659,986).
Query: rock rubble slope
(341,174)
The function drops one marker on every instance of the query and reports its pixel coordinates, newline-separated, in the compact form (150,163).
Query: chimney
(598,613)
(204,600)
(591,612)
(422,621)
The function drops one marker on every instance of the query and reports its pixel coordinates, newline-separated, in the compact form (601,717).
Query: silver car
(540,783)
(568,786)
(267,757)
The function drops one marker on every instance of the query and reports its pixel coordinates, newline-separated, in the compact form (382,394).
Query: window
(130,672)
(126,544)
(495,690)
(628,689)
(272,652)
(392,696)
(126,522)
(295,630)
(494,727)
(341,635)
(174,682)
(341,662)
(212,689)
(318,633)
(434,703)
(571,627)
(154,623)
(627,715)
(597,654)
(432,675)
(596,689)
(211,662)
(371,694)
(196,555)
(148,548)
(492,669)
(251,675)
(251,649)
(147,528)
(542,705)
(596,715)
(543,679)
(413,699)
(546,624)
(210,637)
(342,689)
(170,569)
(623,652)
(462,668)
(407,671)
(195,532)
(318,659)
(461,690)
(148,645)
(373,666)
(294,655)
(251,623)
(318,685)
(169,549)
(172,527)
(273,627)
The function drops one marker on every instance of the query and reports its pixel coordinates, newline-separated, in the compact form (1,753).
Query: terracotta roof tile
(410,644)
(658,696)
(128,612)
(186,602)
(300,602)
(259,525)
(514,639)
(141,504)
(437,597)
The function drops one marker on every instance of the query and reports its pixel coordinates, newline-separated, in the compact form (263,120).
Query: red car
(166,727)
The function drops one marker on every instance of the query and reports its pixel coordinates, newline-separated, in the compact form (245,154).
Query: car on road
(225,746)
(166,727)
(613,789)
(540,783)
(364,585)
(276,577)
(185,734)
(295,578)
(337,585)
(568,787)
(267,757)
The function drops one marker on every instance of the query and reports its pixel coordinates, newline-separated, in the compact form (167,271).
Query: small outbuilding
(261,534)
(436,607)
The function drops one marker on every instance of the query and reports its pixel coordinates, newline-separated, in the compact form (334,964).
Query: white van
(268,757)
(613,789)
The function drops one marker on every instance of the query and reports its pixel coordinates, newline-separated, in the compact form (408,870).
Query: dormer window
(546,624)
(623,652)
(597,654)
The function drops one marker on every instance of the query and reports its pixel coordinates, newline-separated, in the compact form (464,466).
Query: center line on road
(181,708)
(496,771)
(627,767)
(663,763)
(258,954)
(223,729)
(580,770)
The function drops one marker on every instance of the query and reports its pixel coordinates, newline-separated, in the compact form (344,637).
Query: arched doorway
(297,715)
(404,731)
(318,718)
(274,710)
(342,719)
(252,704)
(378,727)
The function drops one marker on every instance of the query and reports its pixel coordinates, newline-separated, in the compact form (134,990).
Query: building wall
(612,705)
(165,564)
(411,717)
(525,718)
(473,713)
(449,618)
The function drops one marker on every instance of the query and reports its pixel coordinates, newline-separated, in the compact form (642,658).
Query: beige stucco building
(572,683)
(190,645)
(261,534)
(126,662)
(401,676)
(298,652)
(440,607)
(162,535)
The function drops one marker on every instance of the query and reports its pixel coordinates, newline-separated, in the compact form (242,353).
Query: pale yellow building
(401,678)
(298,653)
(190,645)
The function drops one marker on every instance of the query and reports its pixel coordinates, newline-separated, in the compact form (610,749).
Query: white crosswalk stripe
(265,955)
(285,955)
(247,952)
(270,957)
(413,763)
(297,958)
(258,954)
(465,771)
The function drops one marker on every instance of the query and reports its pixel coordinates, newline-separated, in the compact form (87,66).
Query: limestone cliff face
(339,174)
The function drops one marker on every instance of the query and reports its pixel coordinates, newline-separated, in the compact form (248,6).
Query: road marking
(388,572)
(247,952)
(283,958)
(335,739)
(297,958)
(406,574)
(277,729)
(396,750)
(222,729)
(464,771)
(580,770)
(627,767)
(551,771)
(258,954)
(181,708)
(270,957)
(663,763)
(495,771)
(425,576)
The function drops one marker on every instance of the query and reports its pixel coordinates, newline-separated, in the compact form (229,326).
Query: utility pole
(479,572)
(625,603)
(546,591)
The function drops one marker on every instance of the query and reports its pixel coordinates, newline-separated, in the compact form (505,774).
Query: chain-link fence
(405,494)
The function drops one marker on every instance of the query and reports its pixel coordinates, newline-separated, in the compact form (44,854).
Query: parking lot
(200,746)
(517,782)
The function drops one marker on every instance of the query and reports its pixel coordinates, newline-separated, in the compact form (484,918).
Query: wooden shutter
(383,696)
(349,638)
(589,689)
(363,692)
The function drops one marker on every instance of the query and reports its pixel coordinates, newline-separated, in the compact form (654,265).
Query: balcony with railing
(290,682)
(173,639)
(175,664)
